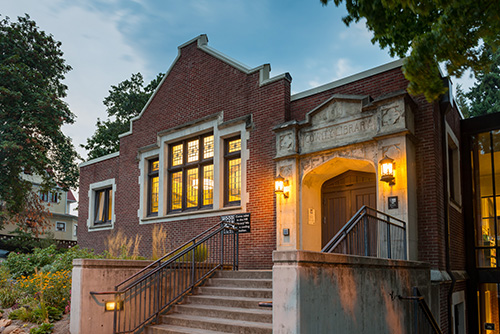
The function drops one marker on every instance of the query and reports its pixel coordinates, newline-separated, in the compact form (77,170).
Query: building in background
(62,222)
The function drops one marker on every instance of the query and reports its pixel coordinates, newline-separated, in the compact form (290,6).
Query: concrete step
(226,301)
(224,312)
(217,324)
(229,291)
(256,283)
(250,274)
(169,329)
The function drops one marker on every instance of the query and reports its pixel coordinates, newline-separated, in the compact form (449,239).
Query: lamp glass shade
(279,184)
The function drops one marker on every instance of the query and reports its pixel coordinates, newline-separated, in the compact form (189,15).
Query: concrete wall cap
(110,263)
(303,257)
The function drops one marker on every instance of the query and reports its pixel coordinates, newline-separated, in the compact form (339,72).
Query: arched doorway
(341,197)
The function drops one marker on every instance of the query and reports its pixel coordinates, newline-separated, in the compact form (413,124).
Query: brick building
(216,134)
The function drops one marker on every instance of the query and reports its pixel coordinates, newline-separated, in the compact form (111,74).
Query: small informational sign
(393,202)
(311,216)
(241,220)
(489,326)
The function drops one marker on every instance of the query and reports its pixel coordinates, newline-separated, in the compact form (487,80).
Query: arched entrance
(341,197)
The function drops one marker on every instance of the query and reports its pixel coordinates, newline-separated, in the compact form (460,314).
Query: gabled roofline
(202,44)
(355,77)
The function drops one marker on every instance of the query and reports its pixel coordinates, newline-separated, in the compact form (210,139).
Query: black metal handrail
(423,319)
(370,233)
(142,297)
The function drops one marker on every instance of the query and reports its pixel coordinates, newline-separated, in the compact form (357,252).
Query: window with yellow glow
(232,158)
(191,173)
(154,187)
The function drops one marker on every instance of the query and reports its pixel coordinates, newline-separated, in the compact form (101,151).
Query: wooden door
(342,196)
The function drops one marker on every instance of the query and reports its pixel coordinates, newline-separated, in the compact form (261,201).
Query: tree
(457,33)
(124,102)
(31,114)
(33,220)
(484,96)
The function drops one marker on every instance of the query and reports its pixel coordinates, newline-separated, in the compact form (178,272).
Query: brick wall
(199,85)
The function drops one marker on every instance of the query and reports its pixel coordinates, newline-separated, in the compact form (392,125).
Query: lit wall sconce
(279,186)
(111,305)
(387,166)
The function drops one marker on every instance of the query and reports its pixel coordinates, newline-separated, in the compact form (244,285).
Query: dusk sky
(106,41)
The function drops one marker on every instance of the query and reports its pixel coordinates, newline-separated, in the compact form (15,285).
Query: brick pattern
(199,85)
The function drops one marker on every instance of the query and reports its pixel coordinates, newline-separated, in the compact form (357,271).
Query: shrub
(42,329)
(119,246)
(64,261)
(8,297)
(19,264)
(200,254)
(52,288)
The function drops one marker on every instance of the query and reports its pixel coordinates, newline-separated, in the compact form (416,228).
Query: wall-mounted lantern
(387,170)
(279,186)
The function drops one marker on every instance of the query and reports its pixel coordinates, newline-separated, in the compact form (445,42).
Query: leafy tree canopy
(457,33)
(31,113)
(125,101)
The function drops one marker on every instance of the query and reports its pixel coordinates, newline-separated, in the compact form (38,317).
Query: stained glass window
(232,157)
(154,187)
(192,180)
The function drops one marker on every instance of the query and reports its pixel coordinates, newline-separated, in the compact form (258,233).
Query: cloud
(96,48)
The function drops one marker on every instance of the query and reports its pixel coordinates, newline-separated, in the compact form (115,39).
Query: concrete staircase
(227,303)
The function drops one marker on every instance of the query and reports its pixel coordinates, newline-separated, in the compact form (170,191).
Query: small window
(75,229)
(191,174)
(153,187)
(44,196)
(103,206)
(54,197)
(453,171)
(60,226)
(232,171)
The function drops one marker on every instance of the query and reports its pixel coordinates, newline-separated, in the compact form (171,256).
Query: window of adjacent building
(485,157)
(75,230)
(60,226)
(103,206)
(49,196)
(191,173)
(153,187)
(232,171)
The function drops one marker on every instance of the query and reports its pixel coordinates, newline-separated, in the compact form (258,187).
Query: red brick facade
(199,85)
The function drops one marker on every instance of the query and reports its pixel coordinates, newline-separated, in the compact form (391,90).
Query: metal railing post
(388,237)
(222,248)
(193,265)
(367,244)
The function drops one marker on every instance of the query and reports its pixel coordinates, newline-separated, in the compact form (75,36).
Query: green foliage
(125,101)
(454,32)
(32,112)
(24,264)
(42,329)
(8,297)
(64,261)
(484,96)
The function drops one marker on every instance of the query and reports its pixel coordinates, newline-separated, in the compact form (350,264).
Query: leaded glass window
(191,173)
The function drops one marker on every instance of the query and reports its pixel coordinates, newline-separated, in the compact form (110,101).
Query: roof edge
(96,160)
(352,78)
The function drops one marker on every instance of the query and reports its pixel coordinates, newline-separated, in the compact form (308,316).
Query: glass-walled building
(481,164)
